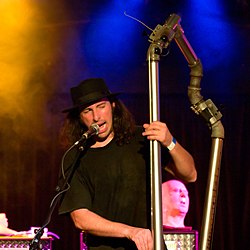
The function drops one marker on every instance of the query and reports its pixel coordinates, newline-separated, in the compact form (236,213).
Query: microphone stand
(34,245)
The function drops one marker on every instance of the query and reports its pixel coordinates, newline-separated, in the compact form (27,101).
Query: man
(109,194)
(175,203)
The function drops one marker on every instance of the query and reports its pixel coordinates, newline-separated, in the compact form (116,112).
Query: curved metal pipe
(212,117)
(161,38)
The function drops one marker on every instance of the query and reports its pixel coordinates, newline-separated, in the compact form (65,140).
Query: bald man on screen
(175,204)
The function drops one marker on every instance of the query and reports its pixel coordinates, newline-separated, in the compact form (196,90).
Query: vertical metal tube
(155,160)
(211,195)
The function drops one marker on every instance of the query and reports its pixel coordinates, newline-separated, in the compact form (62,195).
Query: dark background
(63,42)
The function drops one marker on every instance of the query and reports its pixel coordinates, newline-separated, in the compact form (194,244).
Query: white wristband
(172,144)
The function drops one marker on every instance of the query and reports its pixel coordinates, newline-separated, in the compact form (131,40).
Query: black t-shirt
(114,182)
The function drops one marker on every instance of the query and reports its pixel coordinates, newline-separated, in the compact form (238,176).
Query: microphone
(93,130)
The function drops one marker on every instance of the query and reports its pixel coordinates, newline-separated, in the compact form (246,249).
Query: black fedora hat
(88,91)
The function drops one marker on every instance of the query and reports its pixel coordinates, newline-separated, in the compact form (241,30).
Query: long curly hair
(123,125)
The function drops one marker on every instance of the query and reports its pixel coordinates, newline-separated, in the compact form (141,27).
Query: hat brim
(93,100)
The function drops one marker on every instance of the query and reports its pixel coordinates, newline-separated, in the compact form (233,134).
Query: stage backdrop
(49,46)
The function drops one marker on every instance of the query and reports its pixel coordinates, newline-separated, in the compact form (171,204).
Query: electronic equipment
(181,239)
